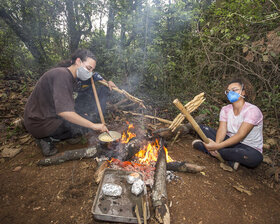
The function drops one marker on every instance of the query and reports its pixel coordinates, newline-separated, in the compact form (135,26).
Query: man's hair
(83,54)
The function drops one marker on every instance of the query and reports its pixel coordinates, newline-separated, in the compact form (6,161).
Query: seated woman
(239,138)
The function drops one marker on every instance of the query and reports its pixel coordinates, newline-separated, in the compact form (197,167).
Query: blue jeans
(241,153)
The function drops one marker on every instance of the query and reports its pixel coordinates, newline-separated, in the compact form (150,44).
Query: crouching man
(50,113)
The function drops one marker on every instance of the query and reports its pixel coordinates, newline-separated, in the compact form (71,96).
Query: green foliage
(172,48)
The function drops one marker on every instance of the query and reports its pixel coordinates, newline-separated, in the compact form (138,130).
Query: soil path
(65,193)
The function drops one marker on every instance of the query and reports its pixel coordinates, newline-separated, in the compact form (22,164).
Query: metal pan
(106,138)
(121,208)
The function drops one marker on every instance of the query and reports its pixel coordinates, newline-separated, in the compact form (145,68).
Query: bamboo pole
(190,106)
(97,102)
(191,120)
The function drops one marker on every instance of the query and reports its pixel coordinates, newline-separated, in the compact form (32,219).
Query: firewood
(99,172)
(126,94)
(131,148)
(184,129)
(149,116)
(191,120)
(159,192)
(184,167)
(124,152)
(69,155)
(136,210)
(190,107)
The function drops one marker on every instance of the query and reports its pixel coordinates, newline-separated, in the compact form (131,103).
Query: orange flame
(150,153)
(126,136)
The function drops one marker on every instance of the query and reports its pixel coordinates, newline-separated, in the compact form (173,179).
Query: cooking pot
(106,138)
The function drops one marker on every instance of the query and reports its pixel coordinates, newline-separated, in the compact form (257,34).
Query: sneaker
(47,146)
(74,140)
(197,144)
(233,165)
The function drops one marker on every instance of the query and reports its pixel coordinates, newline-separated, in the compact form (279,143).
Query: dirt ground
(65,193)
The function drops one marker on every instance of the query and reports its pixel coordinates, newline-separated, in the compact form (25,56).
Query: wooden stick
(144,209)
(126,94)
(149,116)
(137,214)
(97,102)
(190,107)
(175,138)
(191,120)
(184,167)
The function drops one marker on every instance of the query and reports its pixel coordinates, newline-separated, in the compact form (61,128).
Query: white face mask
(83,74)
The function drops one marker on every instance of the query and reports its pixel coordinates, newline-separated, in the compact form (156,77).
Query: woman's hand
(212,146)
(100,127)
(111,85)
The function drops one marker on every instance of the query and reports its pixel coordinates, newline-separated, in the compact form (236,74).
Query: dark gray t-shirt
(52,95)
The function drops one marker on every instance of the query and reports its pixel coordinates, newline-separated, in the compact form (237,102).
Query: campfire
(130,156)
(145,158)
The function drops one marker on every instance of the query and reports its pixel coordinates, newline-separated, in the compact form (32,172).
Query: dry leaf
(242,189)
(18,168)
(10,152)
(267,160)
(265,58)
(245,49)
(226,167)
(271,141)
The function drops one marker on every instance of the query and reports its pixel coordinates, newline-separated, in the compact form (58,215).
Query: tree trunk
(110,25)
(26,36)
(73,31)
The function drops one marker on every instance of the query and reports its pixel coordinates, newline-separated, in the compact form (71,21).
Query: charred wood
(69,155)
(159,192)
(184,167)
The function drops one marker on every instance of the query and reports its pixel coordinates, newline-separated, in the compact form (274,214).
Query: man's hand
(100,127)
(212,146)
(111,85)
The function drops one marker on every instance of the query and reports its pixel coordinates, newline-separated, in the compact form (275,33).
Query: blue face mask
(233,96)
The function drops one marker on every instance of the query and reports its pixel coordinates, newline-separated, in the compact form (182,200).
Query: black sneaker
(197,144)
(74,140)
(47,146)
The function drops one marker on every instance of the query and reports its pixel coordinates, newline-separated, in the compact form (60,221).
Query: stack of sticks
(126,94)
(190,107)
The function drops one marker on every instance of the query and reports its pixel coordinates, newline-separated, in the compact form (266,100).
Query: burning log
(159,192)
(184,167)
(132,148)
(69,155)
